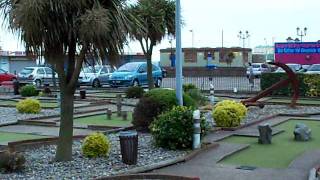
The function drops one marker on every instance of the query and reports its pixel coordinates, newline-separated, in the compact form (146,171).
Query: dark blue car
(135,74)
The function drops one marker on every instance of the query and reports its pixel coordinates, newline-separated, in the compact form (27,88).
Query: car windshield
(27,70)
(314,68)
(91,69)
(255,66)
(129,67)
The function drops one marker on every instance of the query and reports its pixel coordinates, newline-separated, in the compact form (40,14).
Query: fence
(221,83)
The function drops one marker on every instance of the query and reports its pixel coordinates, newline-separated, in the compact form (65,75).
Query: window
(48,70)
(264,66)
(104,70)
(154,68)
(40,71)
(143,68)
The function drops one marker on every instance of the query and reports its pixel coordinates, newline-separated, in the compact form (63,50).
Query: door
(104,75)
(142,74)
(41,76)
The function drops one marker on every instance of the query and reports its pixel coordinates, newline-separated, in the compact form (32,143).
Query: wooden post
(119,99)
(124,115)
(109,114)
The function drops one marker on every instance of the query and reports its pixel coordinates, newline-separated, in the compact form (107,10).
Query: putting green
(6,137)
(103,121)
(300,101)
(280,153)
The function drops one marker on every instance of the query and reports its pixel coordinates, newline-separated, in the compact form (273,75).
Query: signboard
(298,53)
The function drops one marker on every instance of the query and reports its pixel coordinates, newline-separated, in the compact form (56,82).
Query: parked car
(135,74)
(95,76)
(5,76)
(164,72)
(313,69)
(258,69)
(294,67)
(36,75)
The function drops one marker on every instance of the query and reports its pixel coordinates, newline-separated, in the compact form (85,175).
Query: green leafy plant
(174,129)
(134,92)
(313,83)
(155,102)
(96,145)
(198,98)
(229,113)
(28,91)
(187,87)
(29,106)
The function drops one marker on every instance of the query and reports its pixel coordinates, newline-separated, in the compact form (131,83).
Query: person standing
(251,76)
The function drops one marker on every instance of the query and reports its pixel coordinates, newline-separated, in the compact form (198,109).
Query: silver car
(258,69)
(314,69)
(95,76)
(36,75)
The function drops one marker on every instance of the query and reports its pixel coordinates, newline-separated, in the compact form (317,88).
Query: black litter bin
(16,87)
(129,147)
(82,94)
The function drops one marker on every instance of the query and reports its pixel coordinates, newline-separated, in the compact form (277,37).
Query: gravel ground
(255,113)
(11,115)
(39,166)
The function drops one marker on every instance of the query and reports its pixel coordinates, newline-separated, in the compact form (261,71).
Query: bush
(229,113)
(134,92)
(153,103)
(11,161)
(198,98)
(96,145)
(187,87)
(174,129)
(307,85)
(28,91)
(29,106)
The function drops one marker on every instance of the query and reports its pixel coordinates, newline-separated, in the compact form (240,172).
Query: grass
(44,104)
(300,101)
(102,120)
(280,153)
(10,137)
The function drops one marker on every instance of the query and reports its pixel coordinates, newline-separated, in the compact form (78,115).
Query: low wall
(202,71)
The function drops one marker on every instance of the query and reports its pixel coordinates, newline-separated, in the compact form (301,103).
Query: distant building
(262,54)
(14,62)
(207,57)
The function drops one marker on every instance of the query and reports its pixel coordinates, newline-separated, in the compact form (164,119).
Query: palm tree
(65,31)
(157,18)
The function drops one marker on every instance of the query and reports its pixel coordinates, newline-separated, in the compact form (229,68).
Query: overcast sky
(264,19)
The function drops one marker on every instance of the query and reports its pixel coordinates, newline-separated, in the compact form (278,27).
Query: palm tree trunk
(149,72)
(64,149)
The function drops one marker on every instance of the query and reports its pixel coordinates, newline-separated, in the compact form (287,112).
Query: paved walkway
(206,165)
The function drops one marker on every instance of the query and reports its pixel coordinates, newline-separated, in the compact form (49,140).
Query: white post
(178,54)
(197,130)
(211,98)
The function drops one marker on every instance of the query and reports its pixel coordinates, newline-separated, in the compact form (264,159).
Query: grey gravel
(39,161)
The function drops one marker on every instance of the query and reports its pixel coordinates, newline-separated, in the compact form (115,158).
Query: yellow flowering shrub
(229,113)
(96,145)
(29,106)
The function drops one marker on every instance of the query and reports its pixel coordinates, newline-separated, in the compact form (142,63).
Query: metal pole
(178,54)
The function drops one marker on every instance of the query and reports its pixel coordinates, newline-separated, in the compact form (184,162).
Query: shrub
(29,106)
(96,145)
(134,92)
(174,129)
(153,103)
(198,98)
(187,87)
(11,161)
(313,83)
(28,91)
(229,113)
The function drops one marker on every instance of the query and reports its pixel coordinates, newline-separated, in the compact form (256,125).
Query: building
(14,62)
(305,53)
(208,57)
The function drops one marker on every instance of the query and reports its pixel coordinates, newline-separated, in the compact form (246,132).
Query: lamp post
(243,36)
(192,36)
(301,32)
(178,54)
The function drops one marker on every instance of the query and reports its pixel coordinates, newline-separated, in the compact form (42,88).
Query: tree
(65,31)
(157,18)
(230,57)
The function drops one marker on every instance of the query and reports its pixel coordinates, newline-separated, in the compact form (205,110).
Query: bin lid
(128,133)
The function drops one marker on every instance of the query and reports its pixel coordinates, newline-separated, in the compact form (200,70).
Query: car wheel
(135,83)
(96,83)
(38,83)
(158,82)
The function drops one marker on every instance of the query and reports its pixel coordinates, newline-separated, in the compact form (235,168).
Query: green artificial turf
(103,121)
(300,101)
(280,153)
(10,137)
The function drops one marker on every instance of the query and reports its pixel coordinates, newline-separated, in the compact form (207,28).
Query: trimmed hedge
(308,84)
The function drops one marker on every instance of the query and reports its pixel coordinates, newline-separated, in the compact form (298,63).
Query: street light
(301,32)
(192,38)
(243,36)
(178,54)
